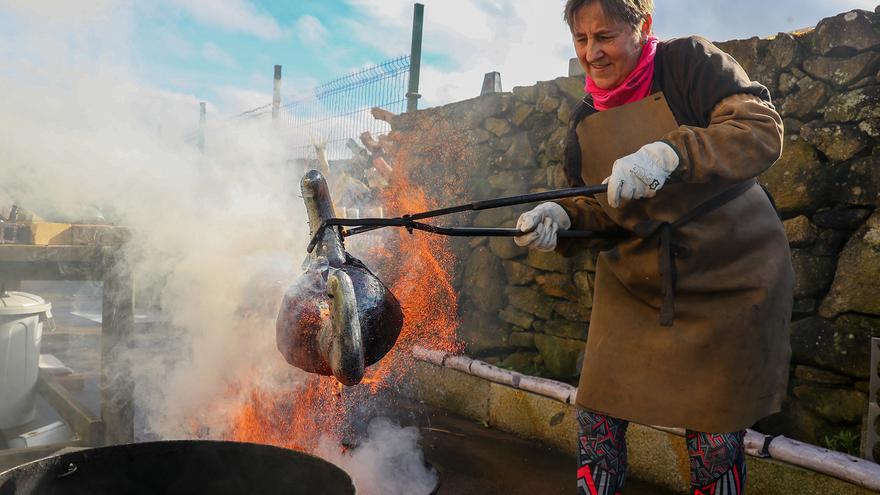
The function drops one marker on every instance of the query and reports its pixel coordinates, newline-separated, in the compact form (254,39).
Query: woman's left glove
(540,226)
(641,174)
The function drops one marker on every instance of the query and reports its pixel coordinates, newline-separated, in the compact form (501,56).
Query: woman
(690,313)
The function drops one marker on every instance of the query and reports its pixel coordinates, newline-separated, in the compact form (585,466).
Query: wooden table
(101,262)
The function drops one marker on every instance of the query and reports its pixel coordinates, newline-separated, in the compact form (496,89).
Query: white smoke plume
(216,237)
(388,462)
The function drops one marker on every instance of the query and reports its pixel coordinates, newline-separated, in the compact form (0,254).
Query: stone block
(837,141)
(481,332)
(807,101)
(856,286)
(845,34)
(520,154)
(522,339)
(841,346)
(530,301)
(871,127)
(562,357)
(836,405)
(575,330)
(574,311)
(857,182)
(659,458)
(521,112)
(493,218)
(798,181)
(548,104)
(449,390)
(558,285)
(796,421)
(505,248)
(812,274)
(854,106)
(516,317)
(483,275)
(785,50)
(525,93)
(548,261)
(841,218)
(842,71)
(498,127)
(800,231)
(819,376)
(533,416)
(555,144)
(518,273)
(571,87)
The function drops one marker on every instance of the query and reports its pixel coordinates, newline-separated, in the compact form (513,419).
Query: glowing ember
(417,268)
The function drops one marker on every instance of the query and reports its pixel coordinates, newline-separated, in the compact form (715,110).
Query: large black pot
(178,467)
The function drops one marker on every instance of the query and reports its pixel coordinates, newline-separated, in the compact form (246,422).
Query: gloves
(541,224)
(641,174)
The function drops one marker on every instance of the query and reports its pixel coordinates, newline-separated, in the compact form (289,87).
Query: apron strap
(668,249)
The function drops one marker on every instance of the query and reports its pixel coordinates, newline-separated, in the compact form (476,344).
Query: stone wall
(529,311)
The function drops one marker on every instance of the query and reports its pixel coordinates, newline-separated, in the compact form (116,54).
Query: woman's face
(608,50)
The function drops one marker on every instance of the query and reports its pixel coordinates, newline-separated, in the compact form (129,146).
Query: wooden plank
(117,385)
(98,235)
(28,253)
(50,271)
(46,233)
(84,424)
(62,234)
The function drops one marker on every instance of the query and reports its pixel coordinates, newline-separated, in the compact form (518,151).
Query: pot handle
(48,321)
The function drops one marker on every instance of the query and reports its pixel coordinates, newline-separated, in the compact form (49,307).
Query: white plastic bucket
(22,316)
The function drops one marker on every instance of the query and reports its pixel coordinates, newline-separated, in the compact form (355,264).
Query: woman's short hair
(631,12)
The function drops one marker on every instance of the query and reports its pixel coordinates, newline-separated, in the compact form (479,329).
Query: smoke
(216,237)
(388,462)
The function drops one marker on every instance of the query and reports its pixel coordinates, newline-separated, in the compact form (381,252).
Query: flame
(418,269)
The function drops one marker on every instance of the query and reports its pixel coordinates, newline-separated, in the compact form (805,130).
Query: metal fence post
(203,119)
(415,54)
(276,93)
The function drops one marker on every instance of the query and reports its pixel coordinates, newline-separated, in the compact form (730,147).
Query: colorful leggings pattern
(717,460)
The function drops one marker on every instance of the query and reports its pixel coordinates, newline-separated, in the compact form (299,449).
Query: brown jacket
(723,364)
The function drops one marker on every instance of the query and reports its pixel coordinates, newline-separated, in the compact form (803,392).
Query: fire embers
(337,320)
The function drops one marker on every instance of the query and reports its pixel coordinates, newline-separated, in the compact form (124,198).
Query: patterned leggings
(717,460)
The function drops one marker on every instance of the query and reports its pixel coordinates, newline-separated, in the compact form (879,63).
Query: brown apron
(690,316)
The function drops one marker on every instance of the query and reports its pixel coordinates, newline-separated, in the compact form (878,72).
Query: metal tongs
(411,222)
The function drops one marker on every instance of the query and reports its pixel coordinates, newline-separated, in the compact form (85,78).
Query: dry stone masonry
(530,311)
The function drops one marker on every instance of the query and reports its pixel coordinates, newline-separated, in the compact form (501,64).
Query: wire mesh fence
(339,110)
(332,113)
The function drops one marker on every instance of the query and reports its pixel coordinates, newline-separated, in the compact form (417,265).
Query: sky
(223,51)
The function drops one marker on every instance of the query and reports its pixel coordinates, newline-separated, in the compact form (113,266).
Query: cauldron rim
(53,463)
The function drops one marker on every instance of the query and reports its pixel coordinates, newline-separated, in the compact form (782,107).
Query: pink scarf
(636,86)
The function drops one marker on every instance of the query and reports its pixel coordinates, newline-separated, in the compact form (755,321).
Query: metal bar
(117,385)
(415,54)
(488,204)
(203,120)
(276,93)
(514,200)
(88,428)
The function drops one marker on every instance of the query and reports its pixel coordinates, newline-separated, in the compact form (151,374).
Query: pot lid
(22,303)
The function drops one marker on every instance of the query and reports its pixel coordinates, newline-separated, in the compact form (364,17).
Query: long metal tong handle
(409,221)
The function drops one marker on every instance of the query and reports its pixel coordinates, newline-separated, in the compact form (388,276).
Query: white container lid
(22,303)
